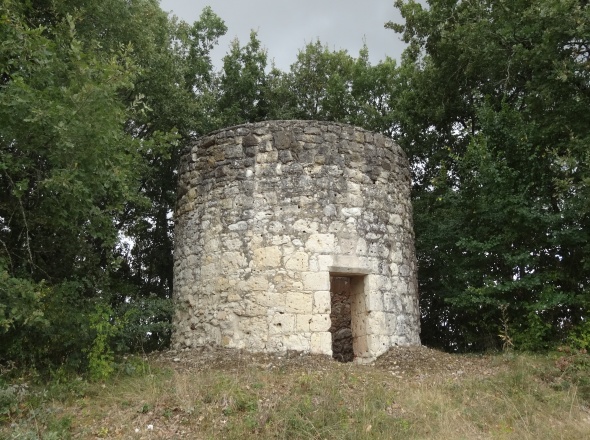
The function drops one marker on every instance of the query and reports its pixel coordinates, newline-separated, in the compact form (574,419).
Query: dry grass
(253,396)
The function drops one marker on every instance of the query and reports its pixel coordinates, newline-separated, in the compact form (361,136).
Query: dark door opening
(340,318)
(348,316)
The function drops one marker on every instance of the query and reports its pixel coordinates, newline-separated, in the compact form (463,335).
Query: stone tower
(295,235)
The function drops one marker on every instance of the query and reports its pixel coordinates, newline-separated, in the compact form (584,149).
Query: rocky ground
(408,362)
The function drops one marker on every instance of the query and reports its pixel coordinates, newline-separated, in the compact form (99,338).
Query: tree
(492,114)
(96,101)
(67,170)
(243,84)
(334,86)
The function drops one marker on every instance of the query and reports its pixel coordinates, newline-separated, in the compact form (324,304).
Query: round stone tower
(295,235)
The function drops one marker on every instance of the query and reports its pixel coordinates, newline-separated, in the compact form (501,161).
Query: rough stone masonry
(268,213)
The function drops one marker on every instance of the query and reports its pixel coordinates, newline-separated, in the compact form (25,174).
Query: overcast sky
(285,27)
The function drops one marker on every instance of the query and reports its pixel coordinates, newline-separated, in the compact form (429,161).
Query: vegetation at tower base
(495,118)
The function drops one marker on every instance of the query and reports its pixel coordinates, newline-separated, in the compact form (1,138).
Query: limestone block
(274,301)
(285,156)
(336,227)
(283,281)
(374,301)
(350,264)
(280,240)
(315,281)
(185,275)
(267,157)
(392,302)
(281,323)
(288,249)
(267,257)
(209,271)
(231,261)
(263,215)
(193,301)
(297,285)
(353,188)
(354,201)
(352,212)
(275,344)
(297,243)
(321,302)
(297,342)
(302,323)
(310,139)
(298,261)
(325,262)
(382,251)
(394,269)
(395,219)
(396,257)
(265,145)
(373,282)
(233,297)
(257,283)
(226,204)
(377,344)
(320,323)
(299,302)
(275,227)
(374,264)
(404,270)
(359,324)
(232,244)
(321,243)
(234,151)
(391,322)
(321,343)
(313,264)
(252,308)
(306,226)
(312,130)
(223,284)
(254,341)
(284,140)
(347,245)
(239,226)
(314,323)
(329,210)
(376,323)
(400,287)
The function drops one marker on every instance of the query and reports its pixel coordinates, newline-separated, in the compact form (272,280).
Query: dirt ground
(407,362)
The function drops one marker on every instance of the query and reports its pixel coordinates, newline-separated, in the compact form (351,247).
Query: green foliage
(8,400)
(491,112)
(20,302)
(242,85)
(334,86)
(96,102)
(100,355)
(145,325)
(579,337)
(534,334)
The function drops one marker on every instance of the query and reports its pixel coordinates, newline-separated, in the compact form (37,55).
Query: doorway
(347,316)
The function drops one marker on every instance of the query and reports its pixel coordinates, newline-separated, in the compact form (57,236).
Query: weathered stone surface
(267,213)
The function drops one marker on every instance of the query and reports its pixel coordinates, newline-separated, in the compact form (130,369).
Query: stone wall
(268,212)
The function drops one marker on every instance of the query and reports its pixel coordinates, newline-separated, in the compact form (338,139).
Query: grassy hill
(414,393)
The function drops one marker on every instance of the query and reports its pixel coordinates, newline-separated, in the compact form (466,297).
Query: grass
(528,397)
